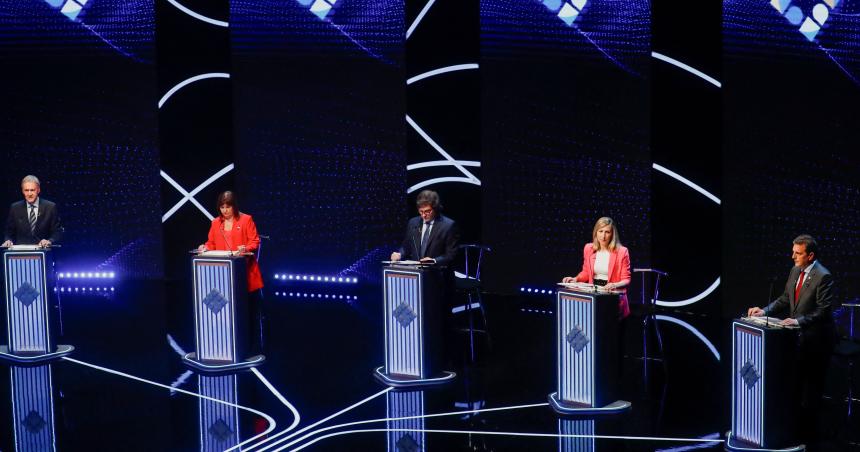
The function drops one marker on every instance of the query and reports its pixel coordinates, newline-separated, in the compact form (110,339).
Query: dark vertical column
(195,123)
(443,104)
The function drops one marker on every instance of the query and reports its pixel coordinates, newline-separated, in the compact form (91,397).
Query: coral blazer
(244,232)
(619,270)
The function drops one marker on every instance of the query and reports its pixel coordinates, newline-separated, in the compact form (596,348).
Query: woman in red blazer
(235,231)
(605,262)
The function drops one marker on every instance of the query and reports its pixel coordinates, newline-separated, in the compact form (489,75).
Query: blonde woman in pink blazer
(605,262)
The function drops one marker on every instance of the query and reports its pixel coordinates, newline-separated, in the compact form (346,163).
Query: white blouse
(601,265)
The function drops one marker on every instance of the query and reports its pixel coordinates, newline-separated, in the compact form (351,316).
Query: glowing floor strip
(298,432)
(687,68)
(272,423)
(441,70)
(693,330)
(520,434)
(404,418)
(296,417)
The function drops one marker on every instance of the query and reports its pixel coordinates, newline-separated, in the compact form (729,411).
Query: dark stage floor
(125,388)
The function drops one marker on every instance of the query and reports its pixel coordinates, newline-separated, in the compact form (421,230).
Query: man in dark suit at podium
(33,220)
(807,302)
(430,237)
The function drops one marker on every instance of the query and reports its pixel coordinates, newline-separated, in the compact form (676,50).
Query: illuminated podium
(587,353)
(765,402)
(413,309)
(221,325)
(32,313)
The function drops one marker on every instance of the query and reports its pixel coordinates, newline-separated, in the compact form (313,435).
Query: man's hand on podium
(789,322)
(44,243)
(7,244)
(395,256)
(755,312)
(427,260)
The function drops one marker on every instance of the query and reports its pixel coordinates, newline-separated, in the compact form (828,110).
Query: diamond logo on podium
(407,443)
(220,431)
(750,375)
(215,301)
(33,423)
(404,314)
(577,339)
(26,294)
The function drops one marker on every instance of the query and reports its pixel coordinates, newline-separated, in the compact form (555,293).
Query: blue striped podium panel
(219,418)
(413,309)
(765,401)
(587,348)
(221,318)
(405,434)
(33,408)
(32,314)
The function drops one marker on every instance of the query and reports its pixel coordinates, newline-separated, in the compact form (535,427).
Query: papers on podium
(216,253)
(404,263)
(25,248)
(585,287)
(771,322)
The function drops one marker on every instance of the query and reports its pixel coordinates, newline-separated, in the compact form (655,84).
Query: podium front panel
(215,310)
(219,422)
(27,303)
(576,347)
(748,380)
(33,408)
(576,435)
(404,323)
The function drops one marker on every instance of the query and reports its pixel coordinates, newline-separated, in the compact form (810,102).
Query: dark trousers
(256,320)
(813,359)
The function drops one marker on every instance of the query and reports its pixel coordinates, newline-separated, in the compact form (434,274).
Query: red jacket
(619,270)
(244,232)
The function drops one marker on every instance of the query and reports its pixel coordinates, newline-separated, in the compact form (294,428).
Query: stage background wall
(790,148)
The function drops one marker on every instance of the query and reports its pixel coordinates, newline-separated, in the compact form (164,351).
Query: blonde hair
(602,222)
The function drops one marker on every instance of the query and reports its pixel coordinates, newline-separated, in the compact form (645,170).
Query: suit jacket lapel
(612,257)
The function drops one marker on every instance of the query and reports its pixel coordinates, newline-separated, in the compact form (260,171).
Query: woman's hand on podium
(568,279)
(395,256)
(202,249)
(7,244)
(241,249)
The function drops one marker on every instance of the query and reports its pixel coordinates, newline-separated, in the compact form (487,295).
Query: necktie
(799,285)
(424,239)
(33,218)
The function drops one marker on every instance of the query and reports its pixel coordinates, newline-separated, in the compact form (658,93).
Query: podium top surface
(769,323)
(220,255)
(586,289)
(26,248)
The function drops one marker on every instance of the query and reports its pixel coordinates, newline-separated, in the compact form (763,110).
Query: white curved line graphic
(441,70)
(688,301)
(439,180)
(296,417)
(520,434)
(404,418)
(197,16)
(693,330)
(265,416)
(685,181)
(187,82)
(186,196)
(687,68)
(419,17)
(442,163)
(300,431)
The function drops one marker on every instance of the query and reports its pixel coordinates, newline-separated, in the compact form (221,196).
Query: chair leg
(484,317)
(471,327)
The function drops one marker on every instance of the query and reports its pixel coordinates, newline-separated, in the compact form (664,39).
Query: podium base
(561,407)
(404,381)
(190,359)
(733,444)
(62,350)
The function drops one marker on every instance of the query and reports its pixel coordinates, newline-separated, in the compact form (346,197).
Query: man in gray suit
(807,302)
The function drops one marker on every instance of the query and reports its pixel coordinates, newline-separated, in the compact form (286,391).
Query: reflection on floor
(125,387)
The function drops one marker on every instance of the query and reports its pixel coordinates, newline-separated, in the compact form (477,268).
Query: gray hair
(30,178)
